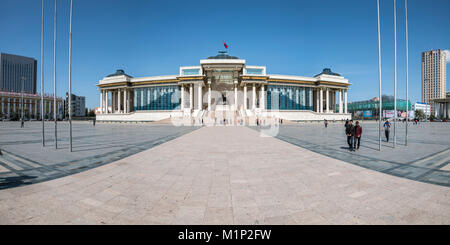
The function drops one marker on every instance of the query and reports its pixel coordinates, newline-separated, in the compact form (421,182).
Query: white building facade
(11,106)
(426,108)
(223,87)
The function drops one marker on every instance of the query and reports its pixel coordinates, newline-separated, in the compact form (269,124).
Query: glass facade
(186,72)
(254,71)
(283,97)
(12,69)
(157,98)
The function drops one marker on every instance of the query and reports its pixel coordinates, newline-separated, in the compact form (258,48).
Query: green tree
(419,114)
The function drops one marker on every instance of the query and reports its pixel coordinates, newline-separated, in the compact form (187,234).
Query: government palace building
(223,87)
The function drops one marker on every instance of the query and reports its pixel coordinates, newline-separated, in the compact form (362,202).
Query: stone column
(31,108)
(261,100)
(119,103)
(254,97)
(317,100)
(209,96)
(340,101)
(101,101)
(2,107)
(106,101)
(345,101)
(321,100)
(125,101)
(182,97)
(35,109)
(14,104)
(191,97)
(9,108)
(245,96)
(199,106)
(235,97)
(327,100)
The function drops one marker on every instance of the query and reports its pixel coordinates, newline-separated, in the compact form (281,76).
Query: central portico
(223,87)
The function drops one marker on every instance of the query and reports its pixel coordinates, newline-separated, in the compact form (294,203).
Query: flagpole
(395,71)
(407,102)
(54,78)
(379,77)
(70,79)
(42,75)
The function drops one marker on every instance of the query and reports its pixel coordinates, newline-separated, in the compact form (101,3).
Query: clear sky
(300,37)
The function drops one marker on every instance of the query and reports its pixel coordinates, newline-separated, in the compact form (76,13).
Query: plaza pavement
(426,158)
(25,161)
(227,175)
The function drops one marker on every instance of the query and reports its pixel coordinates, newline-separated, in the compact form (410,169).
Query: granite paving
(227,175)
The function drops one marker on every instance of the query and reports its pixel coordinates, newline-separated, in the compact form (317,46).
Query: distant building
(442,107)
(433,76)
(370,108)
(14,68)
(11,106)
(426,108)
(78,105)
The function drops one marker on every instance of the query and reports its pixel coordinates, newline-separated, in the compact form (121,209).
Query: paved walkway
(227,175)
(426,158)
(25,161)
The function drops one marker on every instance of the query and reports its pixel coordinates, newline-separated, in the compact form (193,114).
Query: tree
(419,114)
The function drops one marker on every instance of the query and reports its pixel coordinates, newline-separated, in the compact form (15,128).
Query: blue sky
(301,37)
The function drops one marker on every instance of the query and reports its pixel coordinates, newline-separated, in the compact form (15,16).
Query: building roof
(119,73)
(223,55)
(327,71)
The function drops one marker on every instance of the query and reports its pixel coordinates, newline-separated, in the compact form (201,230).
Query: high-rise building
(433,76)
(14,69)
(78,106)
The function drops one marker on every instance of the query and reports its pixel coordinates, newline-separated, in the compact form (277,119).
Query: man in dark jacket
(350,131)
(357,137)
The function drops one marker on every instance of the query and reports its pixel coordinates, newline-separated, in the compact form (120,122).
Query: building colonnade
(11,107)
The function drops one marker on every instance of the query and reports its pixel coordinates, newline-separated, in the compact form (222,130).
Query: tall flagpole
(42,75)
(395,71)
(70,78)
(379,77)
(54,78)
(407,101)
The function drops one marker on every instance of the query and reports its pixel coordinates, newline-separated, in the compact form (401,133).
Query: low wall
(139,116)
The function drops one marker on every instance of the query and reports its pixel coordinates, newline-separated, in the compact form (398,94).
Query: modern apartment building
(15,70)
(433,76)
(78,105)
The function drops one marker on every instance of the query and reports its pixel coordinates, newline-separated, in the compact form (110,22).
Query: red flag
(225,45)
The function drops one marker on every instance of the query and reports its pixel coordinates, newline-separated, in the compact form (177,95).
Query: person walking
(325,122)
(93,122)
(349,131)
(358,132)
(346,123)
(22,123)
(387,129)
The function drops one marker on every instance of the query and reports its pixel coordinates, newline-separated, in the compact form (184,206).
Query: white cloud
(447,54)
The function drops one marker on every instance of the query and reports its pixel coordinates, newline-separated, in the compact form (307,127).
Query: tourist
(22,123)
(349,131)
(358,132)
(346,122)
(325,122)
(387,128)
(93,121)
